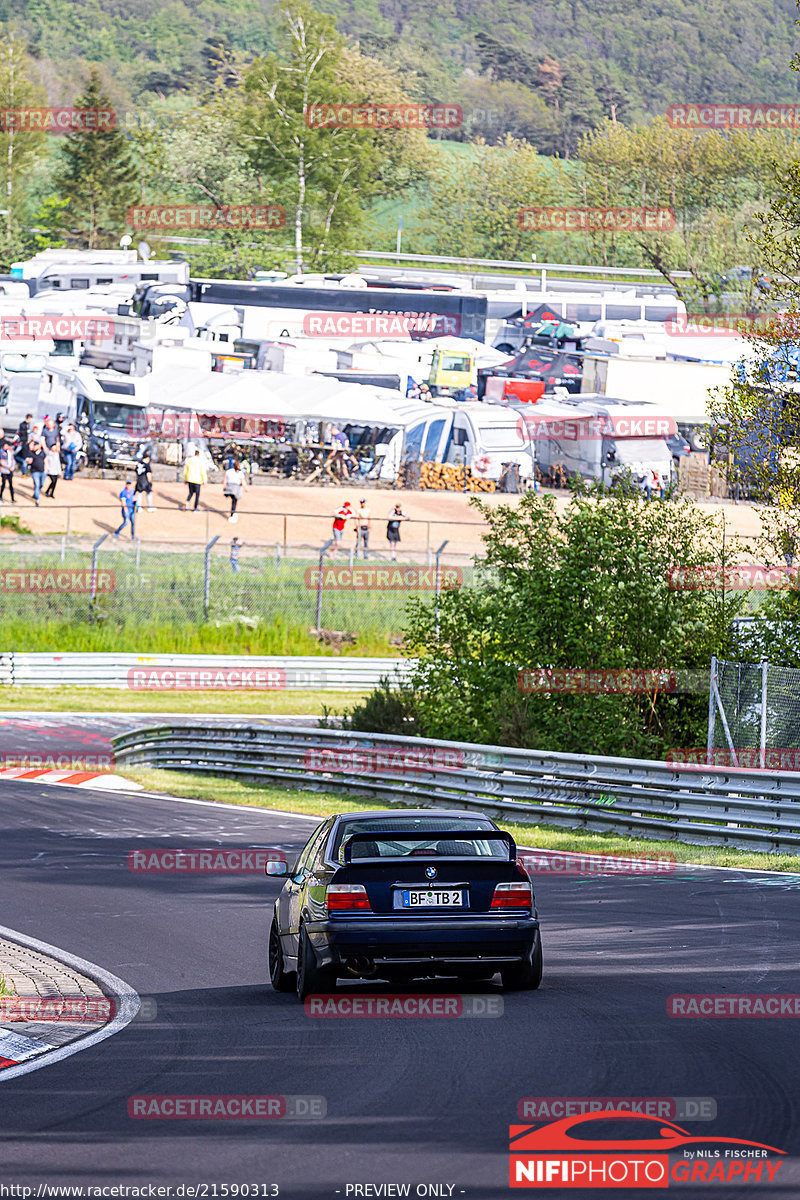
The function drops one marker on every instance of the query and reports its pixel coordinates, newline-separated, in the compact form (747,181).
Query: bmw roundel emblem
(430,872)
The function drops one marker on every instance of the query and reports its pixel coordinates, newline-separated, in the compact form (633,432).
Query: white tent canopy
(270,394)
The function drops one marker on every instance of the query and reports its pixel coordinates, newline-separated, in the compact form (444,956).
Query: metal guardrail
(157,672)
(703,806)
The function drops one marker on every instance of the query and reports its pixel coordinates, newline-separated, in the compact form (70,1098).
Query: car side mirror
(276,867)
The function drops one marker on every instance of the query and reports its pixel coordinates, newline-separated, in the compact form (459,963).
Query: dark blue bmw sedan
(404,895)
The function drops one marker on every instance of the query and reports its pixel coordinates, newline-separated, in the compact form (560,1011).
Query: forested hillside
(546,70)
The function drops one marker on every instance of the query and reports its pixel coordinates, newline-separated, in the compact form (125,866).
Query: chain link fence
(754,715)
(221,582)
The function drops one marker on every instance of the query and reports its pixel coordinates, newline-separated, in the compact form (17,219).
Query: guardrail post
(93,590)
(438,586)
(319,581)
(207,577)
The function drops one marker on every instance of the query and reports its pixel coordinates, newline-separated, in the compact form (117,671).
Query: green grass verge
(111,700)
(323,804)
(279,637)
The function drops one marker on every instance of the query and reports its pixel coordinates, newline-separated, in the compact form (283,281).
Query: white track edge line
(128,1004)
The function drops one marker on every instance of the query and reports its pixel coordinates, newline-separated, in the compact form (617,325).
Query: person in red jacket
(340,519)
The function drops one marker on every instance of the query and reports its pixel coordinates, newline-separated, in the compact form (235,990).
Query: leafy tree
(584,587)
(474,199)
(20,150)
(324,175)
(96,175)
(712,181)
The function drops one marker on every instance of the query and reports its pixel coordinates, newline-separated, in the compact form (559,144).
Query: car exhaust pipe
(361,966)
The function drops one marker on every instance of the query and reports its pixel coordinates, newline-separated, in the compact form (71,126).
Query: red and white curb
(104,780)
(21,1053)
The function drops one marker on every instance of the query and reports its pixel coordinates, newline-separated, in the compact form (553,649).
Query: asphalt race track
(409,1101)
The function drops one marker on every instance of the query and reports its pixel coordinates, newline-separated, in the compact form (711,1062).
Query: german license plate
(438,899)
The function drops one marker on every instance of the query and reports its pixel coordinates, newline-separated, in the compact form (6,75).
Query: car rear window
(426,836)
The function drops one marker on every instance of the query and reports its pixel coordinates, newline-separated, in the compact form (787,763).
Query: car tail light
(347,897)
(512,895)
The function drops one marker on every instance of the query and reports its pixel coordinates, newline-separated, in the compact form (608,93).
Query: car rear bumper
(411,942)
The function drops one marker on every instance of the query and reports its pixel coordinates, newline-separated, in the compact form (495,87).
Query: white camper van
(602,438)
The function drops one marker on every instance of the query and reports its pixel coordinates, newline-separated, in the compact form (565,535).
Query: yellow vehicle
(451,372)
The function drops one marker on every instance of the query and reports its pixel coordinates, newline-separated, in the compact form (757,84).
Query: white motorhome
(71,270)
(107,407)
(600,438)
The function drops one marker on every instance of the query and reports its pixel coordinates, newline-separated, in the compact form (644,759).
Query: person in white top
(52,467)
(235,482)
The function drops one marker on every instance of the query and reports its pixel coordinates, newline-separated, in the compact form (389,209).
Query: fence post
(285,542)
(207,577)
(93,592)
(712,712)
(438,586)
(764,684)
(319,581)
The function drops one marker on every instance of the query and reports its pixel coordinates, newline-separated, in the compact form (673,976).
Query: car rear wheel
(524,976)
(281,979)
(311,978)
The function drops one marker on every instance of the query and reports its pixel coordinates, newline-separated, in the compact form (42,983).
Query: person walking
(35,460)
(362,521)
(52,467)
(194,475)
(340,518)
(393,529)
(144,482)
(6,470)
(128,502)
(72,444)
(234,483)
(24,436)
